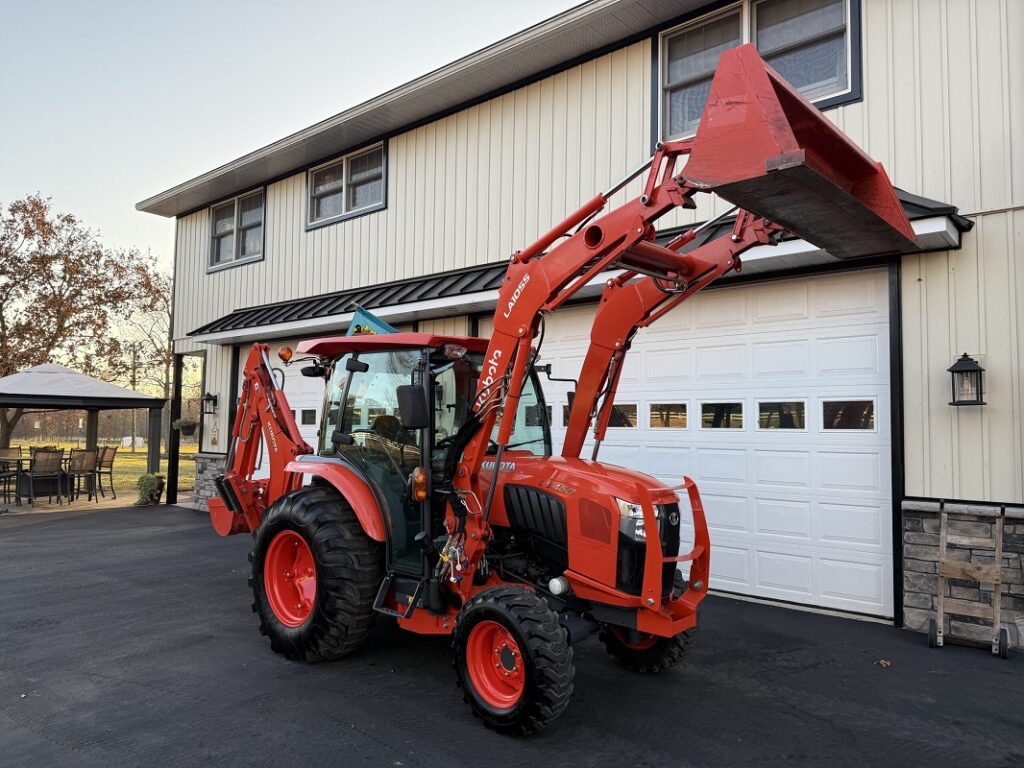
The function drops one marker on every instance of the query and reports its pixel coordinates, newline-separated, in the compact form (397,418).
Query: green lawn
(129,466)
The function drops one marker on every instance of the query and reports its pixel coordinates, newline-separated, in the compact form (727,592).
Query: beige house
(834,375)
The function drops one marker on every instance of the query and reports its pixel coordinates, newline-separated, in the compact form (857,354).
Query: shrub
(151,488)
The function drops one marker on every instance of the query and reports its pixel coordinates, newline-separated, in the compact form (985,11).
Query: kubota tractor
(435,495)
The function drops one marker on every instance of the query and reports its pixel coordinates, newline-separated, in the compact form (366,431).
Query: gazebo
(56,388)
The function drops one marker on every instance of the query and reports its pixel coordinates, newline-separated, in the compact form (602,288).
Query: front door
(381,447)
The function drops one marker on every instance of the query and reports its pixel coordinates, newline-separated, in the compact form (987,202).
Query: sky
(107,103)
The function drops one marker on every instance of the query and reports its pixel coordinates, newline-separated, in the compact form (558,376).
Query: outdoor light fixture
(967,381)
(209,404)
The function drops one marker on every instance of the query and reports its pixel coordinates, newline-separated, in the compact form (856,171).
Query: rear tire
(647,654)
(341,567)
(512,660)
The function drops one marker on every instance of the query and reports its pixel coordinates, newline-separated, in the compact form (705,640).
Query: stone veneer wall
(208,467)
(969,538)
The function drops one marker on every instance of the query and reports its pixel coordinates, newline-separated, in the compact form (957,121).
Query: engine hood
(596,477)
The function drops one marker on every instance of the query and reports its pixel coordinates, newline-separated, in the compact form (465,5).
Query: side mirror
(315,371)
(412,406)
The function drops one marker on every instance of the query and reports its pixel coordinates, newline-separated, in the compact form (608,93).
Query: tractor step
(398,595)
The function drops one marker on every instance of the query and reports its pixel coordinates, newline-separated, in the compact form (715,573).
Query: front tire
(647,654)
(315,574)
(512,660)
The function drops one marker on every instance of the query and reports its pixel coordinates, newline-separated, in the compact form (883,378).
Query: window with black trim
(237,230)
(308,416)
(351,185)
(805,41)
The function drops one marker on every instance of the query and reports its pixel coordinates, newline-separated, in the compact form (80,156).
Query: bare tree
(60,293)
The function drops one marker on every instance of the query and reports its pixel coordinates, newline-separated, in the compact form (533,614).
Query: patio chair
(82,466)
(105,466)
(9,471)
(46,465)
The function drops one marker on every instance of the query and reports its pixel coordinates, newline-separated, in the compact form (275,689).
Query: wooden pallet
(983,574)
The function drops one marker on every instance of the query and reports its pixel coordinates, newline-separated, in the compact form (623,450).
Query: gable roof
(54,386)
(581,32)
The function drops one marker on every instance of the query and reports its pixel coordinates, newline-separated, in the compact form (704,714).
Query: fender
(352,487)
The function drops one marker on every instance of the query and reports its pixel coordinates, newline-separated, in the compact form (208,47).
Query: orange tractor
(435,496)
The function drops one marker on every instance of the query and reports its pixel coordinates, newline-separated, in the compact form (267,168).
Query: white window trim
(636,420)
(845,399)
(667,401)
(746,33)
(781,430)
(744,415)
(238,260)
(346,213)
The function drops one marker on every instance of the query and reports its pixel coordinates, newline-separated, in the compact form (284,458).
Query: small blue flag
(367,324)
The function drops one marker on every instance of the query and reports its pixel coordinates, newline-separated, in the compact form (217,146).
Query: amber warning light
(285,353)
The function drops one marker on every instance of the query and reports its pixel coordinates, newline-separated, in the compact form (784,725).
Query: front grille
(539,518)
(630,570)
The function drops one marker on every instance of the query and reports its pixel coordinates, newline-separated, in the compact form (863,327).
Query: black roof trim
(440,285)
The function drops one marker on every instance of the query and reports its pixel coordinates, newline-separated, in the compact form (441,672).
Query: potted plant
(187,427)
(151,488)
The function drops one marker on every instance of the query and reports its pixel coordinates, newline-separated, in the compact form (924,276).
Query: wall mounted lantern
(967,381)
(209,404)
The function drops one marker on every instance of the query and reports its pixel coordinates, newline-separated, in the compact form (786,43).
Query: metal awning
(937,226)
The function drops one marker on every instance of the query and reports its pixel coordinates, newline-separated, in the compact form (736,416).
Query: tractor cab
(393,407)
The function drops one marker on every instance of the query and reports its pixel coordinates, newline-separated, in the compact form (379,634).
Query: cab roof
(342,345)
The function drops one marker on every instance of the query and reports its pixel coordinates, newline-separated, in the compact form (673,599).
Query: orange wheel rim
(642,643)
(289,576)
(495,665)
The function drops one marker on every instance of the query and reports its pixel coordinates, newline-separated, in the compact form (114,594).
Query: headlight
(632,519)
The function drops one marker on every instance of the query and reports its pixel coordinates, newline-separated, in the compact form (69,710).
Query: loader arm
(264,422)
(760,145)
(631,302)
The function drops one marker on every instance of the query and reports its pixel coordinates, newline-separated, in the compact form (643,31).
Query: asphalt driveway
(126,638)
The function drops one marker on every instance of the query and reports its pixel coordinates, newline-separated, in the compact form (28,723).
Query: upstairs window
(237,230)
(354,184)
(805,41)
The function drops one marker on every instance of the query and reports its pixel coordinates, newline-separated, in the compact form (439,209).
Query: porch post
(174,438)
(92,429)
(153,462)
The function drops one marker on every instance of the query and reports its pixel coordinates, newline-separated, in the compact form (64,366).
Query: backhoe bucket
(762,146)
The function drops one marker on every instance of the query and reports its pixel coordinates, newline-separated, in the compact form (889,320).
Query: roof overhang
(79,403)
(475,290)
(586,30)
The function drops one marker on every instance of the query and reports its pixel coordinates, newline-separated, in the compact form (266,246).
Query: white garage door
(775,398)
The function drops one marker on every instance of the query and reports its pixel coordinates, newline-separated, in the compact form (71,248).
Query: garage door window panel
(848,415)
(724,415)
(784,415)
(668,415)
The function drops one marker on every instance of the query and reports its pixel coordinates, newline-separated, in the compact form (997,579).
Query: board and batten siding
(464,190)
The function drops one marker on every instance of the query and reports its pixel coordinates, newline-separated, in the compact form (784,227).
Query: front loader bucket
(762,146)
